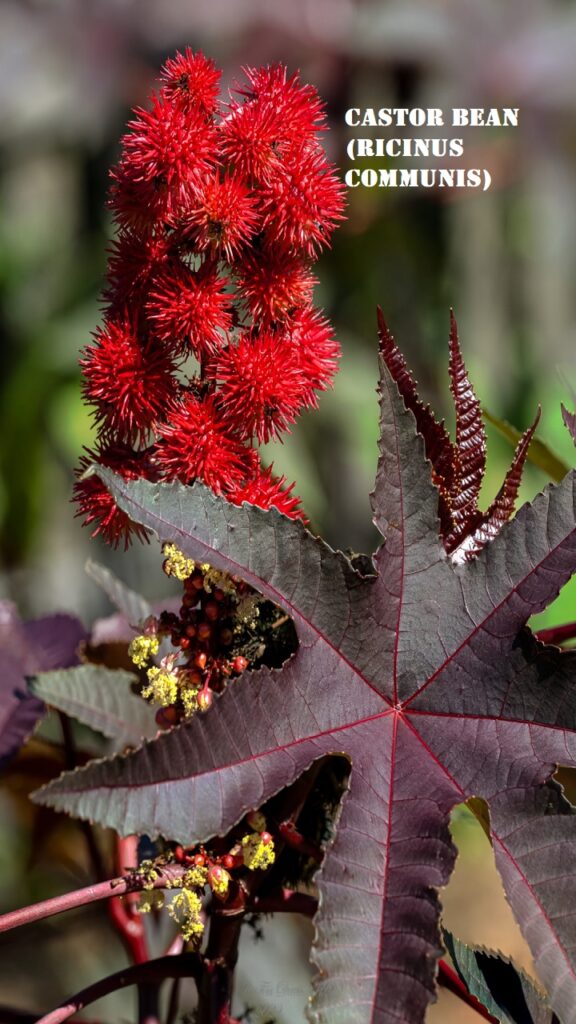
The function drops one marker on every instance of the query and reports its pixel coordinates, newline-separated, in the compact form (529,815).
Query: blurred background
(504,259)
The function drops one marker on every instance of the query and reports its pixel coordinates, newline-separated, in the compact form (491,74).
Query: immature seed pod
(204,699)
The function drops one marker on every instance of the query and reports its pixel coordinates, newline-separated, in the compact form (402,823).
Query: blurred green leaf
(539,453)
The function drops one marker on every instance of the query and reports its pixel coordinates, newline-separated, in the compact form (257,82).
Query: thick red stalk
(81,897)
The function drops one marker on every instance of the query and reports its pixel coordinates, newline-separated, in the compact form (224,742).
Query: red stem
(557,634)
(294,838)
(123,913)
(155,971)
(448,979)
(80,897)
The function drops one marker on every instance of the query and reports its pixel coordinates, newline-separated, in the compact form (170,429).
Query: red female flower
(96,503)
(192,80)
(261,385)
(223,216)
(268,491)
(273,283)
(197,442)
(188,307)
(129,380)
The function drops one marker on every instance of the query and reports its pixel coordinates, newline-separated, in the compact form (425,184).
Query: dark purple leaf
(423,675)
(501,509)
(26,648)
(438,446)
(470,445)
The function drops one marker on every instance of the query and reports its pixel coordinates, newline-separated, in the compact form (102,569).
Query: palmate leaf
(423,675)
(506,992)
(101,698)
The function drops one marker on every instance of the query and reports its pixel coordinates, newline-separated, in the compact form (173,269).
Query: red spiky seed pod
(274,283)
(261,385)
(96,504)
(198,442)
(190,308)
(268,491)
(304,201)
(223,216)
(191,80)
(130,381)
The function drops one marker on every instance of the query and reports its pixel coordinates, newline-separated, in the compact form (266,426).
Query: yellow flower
(189,698)
(152,900)
(162,686)
(185,909)
(143,648)
(195,877)
(176,564)
(256,852)
(216,578)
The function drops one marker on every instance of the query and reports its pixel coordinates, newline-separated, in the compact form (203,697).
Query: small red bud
(197,580)
(166,717)
(179,854)
(228,860)
(200,660)
(239,664)
(204,631)
(199,860)
(195,677)
(204,699)
(190,630)
(219,595)
(185,643)
(211,611)
(266,838)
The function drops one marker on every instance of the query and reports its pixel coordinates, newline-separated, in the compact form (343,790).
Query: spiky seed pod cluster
(210,343)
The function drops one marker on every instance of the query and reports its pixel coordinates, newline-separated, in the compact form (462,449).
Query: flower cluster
(210,343)
(204,871)
(221,628)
